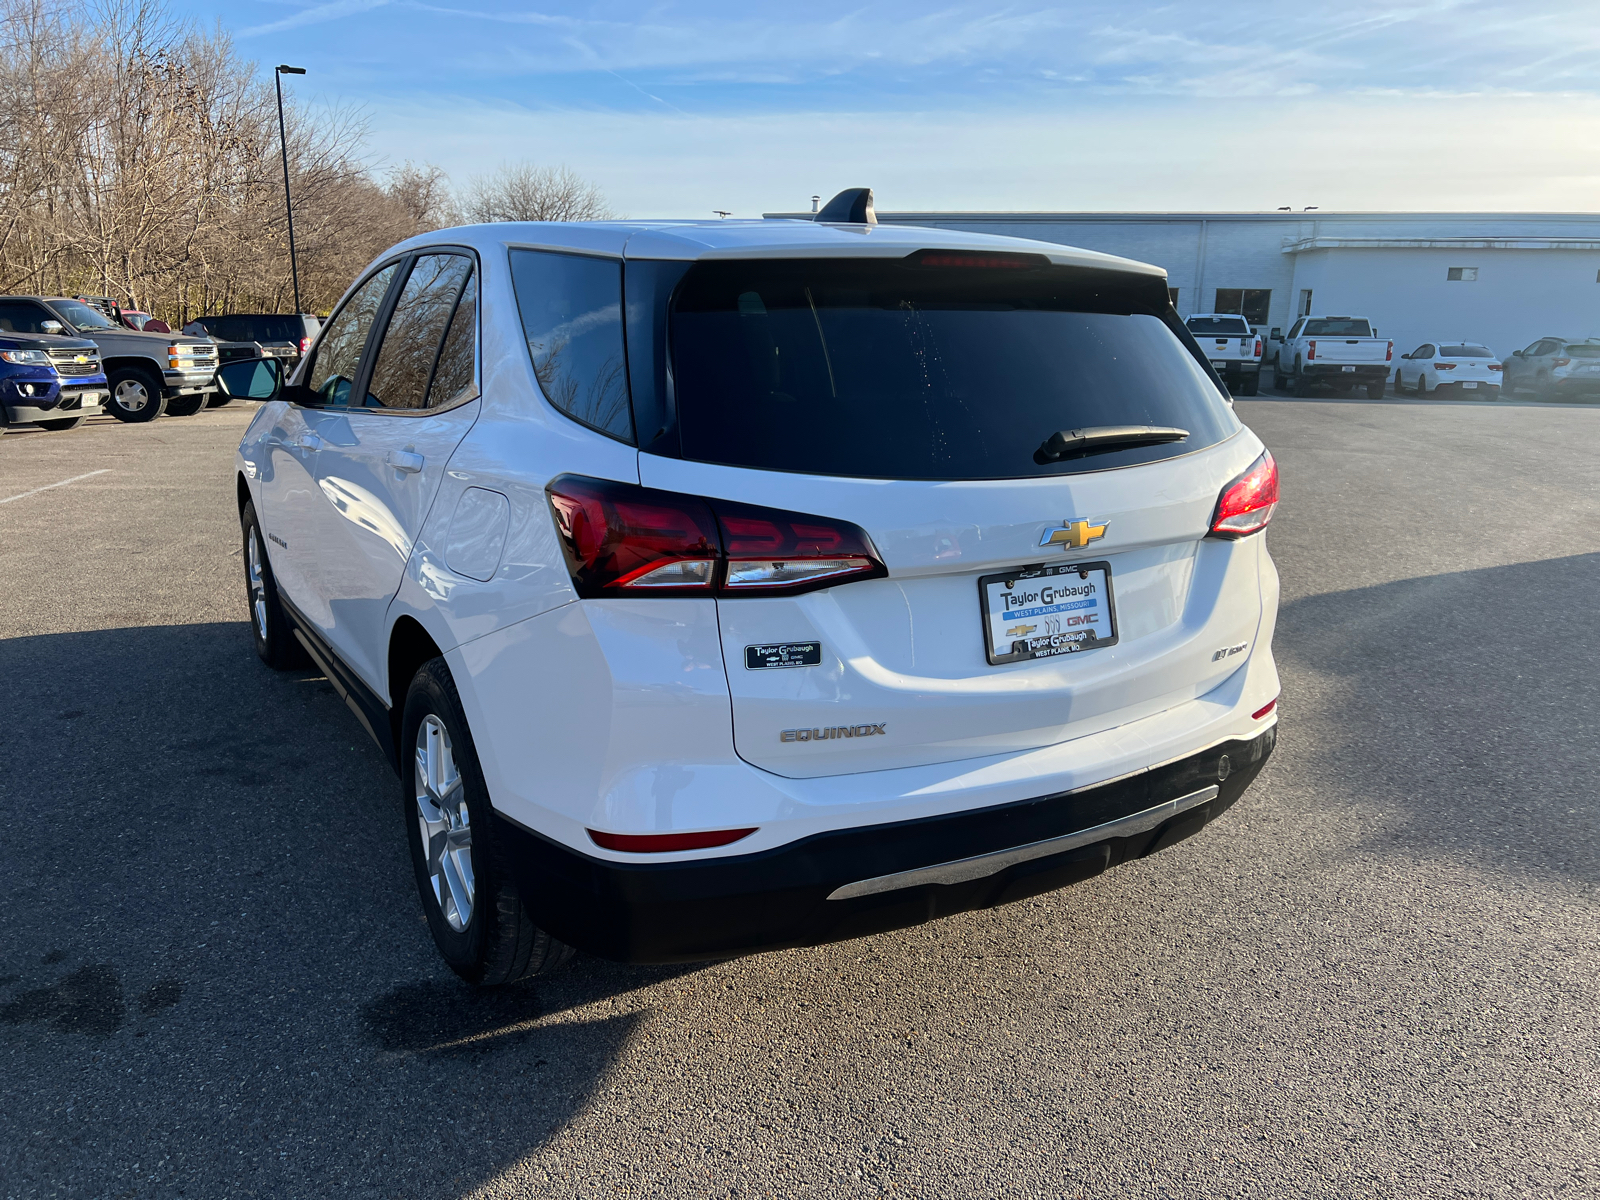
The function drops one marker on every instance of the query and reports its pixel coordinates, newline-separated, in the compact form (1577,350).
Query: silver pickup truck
(147,373)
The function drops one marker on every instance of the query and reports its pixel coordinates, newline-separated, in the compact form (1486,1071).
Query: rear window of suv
(1338,327)
(1584,350)
(890,369)
(255,329)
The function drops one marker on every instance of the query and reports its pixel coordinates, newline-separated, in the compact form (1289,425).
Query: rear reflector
(1247,504)
(662,843)
(1261,712)
(621,539)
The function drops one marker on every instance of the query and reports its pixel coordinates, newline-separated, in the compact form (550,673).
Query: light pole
(283,143)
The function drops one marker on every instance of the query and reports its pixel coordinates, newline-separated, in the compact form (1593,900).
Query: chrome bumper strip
(962,870)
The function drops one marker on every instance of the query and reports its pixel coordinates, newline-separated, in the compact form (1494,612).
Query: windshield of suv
(1465,352)
(1584,350)
(81,315)
(249,328)
(1218,326)
(1338,327)
(885,369)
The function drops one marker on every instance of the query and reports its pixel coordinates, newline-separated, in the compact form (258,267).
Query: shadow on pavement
(1494,746)
(214,972)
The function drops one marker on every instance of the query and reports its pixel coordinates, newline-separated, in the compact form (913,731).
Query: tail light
(1496,367)
(1258,347)
(1388,355)
(1444,366)
(1559,362)
(305,344)
(1311,351)
(1247,504)
(624,540)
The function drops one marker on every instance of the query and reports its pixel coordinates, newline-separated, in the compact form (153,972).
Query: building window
(1462,274)
(1172,295)
(1250,303)
(1305,302)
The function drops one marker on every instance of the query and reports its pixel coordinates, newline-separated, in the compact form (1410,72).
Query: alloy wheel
(445,823)
(132,395)
(258,586)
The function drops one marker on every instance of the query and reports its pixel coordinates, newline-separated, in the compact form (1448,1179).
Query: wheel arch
(243,489)
(410,645)
(146,366)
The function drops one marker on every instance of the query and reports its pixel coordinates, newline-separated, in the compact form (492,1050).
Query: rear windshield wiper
(1075,443)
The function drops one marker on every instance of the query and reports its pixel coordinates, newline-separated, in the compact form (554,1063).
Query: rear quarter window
(885,369)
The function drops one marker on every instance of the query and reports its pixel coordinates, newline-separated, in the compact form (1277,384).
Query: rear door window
(888,369)
(403,370)
(571,306)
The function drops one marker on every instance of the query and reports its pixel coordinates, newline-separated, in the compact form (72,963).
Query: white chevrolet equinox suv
(721,587)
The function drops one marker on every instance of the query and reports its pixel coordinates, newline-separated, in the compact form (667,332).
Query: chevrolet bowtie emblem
(82,358)
(1074,535)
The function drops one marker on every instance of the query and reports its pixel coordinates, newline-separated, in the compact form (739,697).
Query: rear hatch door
(911,401)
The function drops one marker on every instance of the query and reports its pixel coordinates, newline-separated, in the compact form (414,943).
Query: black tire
(498,942)
(1251,385)
(62,424)
(218,398)
(1376,388)
(275,642)
(186,406)
(1422,383)
(1297,382)
(136,395)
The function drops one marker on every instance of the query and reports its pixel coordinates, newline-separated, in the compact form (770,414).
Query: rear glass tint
(1218,326)
(254,329)
(1338,327)
(1465,352)
(1584,350)
(877,368)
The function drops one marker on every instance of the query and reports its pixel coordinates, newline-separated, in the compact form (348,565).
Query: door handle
(308,441)
(405,460)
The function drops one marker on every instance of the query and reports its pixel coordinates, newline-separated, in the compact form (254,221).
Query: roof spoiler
(853,206)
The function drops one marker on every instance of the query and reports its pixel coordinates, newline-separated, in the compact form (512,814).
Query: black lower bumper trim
(728,906)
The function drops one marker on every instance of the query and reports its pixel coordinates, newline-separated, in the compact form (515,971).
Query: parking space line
(48,486)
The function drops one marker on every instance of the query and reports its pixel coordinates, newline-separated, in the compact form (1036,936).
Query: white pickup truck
(1342,352)
(1233,348)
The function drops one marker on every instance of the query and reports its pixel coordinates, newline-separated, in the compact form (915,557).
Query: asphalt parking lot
(1376,976)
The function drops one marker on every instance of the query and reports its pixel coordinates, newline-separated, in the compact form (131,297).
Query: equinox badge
(1074,535)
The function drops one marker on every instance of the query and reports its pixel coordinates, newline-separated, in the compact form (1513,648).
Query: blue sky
(678,109)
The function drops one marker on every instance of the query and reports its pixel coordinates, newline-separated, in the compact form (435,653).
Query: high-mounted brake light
(1311,351)
(1247,504)
(663,843)
(621,539)
(979,260)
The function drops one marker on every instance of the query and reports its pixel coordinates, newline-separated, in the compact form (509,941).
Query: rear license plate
(1042,612)
(1469,385)
(1352,370)
(1217,366)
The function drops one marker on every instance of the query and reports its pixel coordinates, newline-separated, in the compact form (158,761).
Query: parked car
(149,373)
(283,335)
(134,319)
(1233,348)
(1554,368)
(1342,352)
(934,581)
(53,382)
(1456,367)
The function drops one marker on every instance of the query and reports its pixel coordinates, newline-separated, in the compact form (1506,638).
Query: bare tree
(525,192)
(423,193)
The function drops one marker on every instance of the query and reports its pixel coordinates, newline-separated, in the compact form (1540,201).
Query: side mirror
(1516,354)
(252,378)
(1277,333)
(51,327)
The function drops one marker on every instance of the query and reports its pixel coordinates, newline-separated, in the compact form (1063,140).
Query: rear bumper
(1583,386)
(1363,372)
(853,882)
